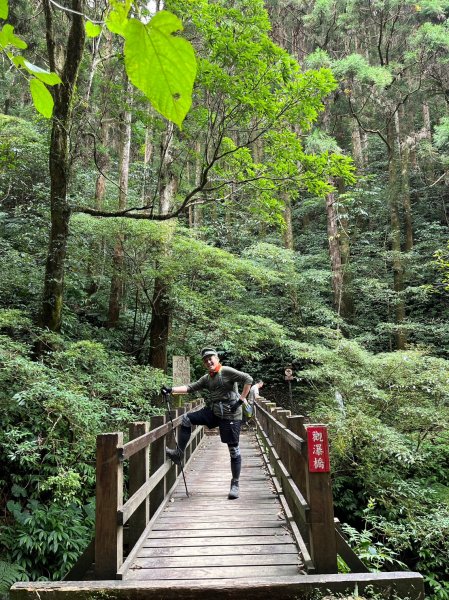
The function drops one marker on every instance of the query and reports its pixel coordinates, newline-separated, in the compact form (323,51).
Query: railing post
(109,498)
(138,475)
(323,543)
(157,459)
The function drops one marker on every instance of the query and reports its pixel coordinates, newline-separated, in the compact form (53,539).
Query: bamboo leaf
(42,99)
(161,65)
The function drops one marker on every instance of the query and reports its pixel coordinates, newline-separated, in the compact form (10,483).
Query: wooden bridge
(280,537)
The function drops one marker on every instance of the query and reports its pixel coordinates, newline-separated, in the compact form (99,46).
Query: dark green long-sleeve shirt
(219,387)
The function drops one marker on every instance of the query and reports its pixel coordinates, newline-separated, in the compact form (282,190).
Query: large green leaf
(7,38)
(42,99)
(117,19)
(46,76)
(3,9)
(92,30)
(161,65)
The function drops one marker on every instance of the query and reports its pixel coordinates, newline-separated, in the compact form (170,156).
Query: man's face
(210,361)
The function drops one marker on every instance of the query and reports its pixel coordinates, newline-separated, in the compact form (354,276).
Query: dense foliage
(251,229)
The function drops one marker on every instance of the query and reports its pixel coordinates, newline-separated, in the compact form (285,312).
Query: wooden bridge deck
(208,537)
(207,546)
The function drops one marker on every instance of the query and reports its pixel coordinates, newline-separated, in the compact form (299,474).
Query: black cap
(208,352)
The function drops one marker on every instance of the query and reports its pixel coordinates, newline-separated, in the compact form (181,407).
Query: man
(224,411)
(254,392)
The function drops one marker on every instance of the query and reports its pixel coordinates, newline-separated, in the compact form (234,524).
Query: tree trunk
(161,308)
(160,325)
(117,283)
(147,158)
(197,211)
(394,186)
(334,252)
(59,162)
(357,147)
(406,200)
(347,302)
(288,231)
(404,147)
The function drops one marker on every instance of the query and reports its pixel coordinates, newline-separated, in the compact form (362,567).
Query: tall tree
(67,66)
(160,305)
(117,283)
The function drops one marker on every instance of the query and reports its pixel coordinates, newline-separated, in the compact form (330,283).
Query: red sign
(318,449)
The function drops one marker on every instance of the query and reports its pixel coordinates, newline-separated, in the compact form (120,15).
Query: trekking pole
(176,442)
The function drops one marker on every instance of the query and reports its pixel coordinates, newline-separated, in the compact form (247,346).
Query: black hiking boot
(175,455)
(234,491)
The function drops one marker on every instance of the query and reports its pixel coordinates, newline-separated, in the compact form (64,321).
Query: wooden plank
(183,526)
(231,518)
(214,541)
(229,560)
(222,532)
(231,550)
(228,508)
(236,572)
(301,587)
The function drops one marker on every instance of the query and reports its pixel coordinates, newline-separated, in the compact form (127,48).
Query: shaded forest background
(300,217)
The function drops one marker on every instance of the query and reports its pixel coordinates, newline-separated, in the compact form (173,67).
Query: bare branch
(75,12)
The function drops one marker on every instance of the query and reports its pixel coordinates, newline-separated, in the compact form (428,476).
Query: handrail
(146,439)
(307,494)
(292,439)
(151,478)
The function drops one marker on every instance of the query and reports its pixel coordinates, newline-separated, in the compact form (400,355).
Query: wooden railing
(151,479)
(306,496)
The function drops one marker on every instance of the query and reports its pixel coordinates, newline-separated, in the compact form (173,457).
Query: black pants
(229,434)
(229,430)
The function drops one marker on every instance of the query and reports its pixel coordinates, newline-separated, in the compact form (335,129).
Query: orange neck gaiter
(215,370)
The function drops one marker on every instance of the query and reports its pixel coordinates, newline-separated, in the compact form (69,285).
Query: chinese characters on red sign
(318,449)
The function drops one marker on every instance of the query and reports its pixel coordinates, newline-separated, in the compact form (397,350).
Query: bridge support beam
(392,585)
